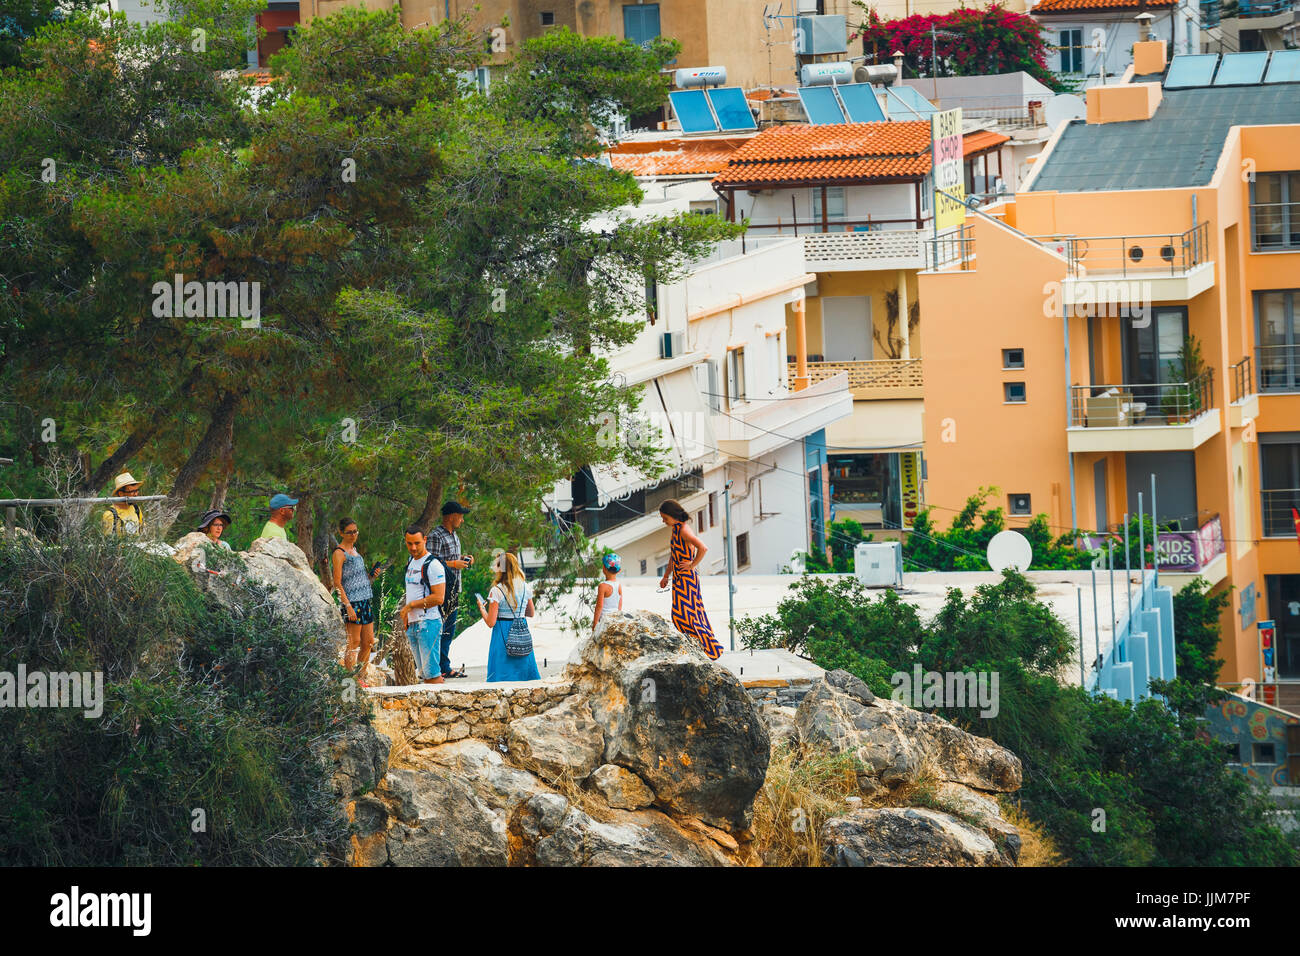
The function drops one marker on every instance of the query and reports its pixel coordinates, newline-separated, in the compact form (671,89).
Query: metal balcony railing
(1149,255)
(1279,367)
(1275,226)
(955,249)
(1243,380)
(873,373)
(1118,406)
(1209,13)
(1263,8)
(1275,511)
(636,506)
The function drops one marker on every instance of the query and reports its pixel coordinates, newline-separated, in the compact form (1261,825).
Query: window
(641,23)
(1232,753)
(927,191)
(706,380)
(699,521)
(548,18)
(1013,392)
(1013,358)
(643,565)
(742,550)
(713,509)
(651,299)
(1275,211)
(1019,505)
(776,356)
(1263,753)
(835,208)
(1279,481)
(1071,51)
(661,564)
(735,376)
(1277,330)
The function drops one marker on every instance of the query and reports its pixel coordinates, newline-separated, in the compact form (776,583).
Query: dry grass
(798,796)
(1036,847)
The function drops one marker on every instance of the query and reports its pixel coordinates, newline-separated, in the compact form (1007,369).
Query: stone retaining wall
(783,693)
(428,717)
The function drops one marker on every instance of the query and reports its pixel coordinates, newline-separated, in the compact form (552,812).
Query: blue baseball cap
(612,561)
(282,501)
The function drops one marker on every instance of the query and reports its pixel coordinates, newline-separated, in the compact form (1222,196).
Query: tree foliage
(966,42)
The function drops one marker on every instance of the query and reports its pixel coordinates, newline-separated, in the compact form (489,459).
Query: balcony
(1111,272)
(1170,416)
(863,251)
(622,513)
(749,429)
(1275,511)
(874,379)
(1279,368)
(1245,398)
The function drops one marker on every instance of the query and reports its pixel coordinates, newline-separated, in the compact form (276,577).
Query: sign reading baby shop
(949,184)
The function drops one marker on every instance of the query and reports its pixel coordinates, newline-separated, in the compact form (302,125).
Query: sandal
(459,673)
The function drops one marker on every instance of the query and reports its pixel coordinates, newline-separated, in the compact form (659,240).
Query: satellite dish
(1063,108)
(1009,549)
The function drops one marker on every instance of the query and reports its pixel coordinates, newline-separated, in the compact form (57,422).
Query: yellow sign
(909,479)
(946,169)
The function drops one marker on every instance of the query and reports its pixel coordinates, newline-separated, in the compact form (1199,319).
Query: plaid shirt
(445,546)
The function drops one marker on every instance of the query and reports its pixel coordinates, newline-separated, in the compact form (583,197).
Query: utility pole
(731,591)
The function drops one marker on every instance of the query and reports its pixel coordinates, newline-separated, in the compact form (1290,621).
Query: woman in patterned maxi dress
(688,604)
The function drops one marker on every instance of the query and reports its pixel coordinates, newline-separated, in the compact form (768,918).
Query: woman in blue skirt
(509,598)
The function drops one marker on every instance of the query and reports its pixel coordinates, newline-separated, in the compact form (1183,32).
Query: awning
(877,426)
(615,482)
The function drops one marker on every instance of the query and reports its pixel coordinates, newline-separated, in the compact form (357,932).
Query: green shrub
(202,711)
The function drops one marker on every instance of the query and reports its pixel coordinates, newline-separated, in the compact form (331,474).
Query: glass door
(1279,340)
(1151,361)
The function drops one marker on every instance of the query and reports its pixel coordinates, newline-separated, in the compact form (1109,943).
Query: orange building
(1060,364)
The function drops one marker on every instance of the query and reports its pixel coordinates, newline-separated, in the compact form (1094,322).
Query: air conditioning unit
(672,345)
(879,564)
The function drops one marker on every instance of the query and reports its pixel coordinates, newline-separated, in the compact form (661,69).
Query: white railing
(865,249)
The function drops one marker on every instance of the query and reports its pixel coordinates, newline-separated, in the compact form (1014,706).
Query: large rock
(980,811)
(905,836)
(622,789)
(894,744)
(677,720)
(273,567)
(564,741)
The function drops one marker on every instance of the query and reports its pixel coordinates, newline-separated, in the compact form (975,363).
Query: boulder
(895,744)
(550,831)
(779,721)
(677,720)
(563,741)
(905,836)
(276,570)
(622,789)
(979,810)
(360,760)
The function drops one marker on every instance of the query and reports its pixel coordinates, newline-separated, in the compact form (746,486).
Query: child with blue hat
(609,594)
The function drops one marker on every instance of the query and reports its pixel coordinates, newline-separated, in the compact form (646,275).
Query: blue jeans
(423,637)
(448,635)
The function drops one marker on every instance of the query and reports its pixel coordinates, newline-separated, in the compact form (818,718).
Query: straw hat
(124,480)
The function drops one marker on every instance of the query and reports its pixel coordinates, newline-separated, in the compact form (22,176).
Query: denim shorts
(365,615)
(423,637)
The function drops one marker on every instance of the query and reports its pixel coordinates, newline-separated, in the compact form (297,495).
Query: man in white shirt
(426,582)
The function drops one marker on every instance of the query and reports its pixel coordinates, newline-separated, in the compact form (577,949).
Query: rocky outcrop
(271,570)
(895,744)
(671,716)
(909,756)
(906,836)
(645,753)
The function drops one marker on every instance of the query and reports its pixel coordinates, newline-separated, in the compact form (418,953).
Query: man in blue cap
(281,514)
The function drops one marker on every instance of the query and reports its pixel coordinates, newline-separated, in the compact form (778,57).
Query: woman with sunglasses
(352,585)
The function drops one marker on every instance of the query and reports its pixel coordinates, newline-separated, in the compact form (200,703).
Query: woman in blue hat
(609,593)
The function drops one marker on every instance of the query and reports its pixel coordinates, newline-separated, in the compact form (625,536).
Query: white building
(1084,35)
(716,392)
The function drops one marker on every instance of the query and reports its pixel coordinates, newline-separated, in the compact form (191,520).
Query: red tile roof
(982,141)
(1075,6)
(675,157)
(844,152)
(849,153)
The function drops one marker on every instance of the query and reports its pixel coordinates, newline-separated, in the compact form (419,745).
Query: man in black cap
(444,544)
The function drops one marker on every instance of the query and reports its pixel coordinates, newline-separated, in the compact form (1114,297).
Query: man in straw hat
(124,518)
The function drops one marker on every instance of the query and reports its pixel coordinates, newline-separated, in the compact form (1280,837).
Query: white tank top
(611,603)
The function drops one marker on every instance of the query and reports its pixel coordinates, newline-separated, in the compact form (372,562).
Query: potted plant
(1184,397)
